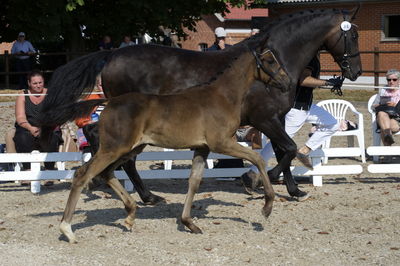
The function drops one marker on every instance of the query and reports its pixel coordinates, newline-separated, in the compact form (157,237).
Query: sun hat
(220,32)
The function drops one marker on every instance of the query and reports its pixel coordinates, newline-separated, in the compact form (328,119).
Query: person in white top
(387,117)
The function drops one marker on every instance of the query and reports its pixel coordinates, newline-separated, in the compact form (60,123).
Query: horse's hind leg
(145,194)
(199,160)
(232,148)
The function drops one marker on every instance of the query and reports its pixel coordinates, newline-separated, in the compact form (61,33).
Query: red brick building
(378,26)
(237,24)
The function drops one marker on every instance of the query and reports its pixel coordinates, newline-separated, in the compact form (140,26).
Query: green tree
(62,21)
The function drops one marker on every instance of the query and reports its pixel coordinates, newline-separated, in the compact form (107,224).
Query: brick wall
(205,32)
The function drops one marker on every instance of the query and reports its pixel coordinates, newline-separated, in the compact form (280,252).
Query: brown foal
(204,118)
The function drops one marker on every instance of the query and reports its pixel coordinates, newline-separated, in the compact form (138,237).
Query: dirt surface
(351,220)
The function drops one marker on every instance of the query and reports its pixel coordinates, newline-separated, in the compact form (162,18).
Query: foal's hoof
(66,230)
(128,224)
(153,200)
(251,180)
(266,211)
(195,230)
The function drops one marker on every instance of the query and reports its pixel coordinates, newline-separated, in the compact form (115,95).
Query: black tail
(69,82)
(61,114)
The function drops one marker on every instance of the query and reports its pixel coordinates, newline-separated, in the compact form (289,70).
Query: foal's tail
(71,80)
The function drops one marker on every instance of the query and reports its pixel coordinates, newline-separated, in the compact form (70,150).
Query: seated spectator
(106,43)
(27,107)
(126,42)
(387,116)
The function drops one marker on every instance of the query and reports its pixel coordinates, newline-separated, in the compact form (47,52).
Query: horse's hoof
(304,197)
(66,230)
(300,195)
(153,200)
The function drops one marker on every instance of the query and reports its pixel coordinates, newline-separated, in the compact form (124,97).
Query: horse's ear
(354,12)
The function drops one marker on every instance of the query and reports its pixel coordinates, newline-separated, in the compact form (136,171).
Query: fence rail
(6,59)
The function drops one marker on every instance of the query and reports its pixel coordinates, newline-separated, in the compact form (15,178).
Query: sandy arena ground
(351,220)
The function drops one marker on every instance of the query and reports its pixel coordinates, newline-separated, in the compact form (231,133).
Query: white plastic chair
(376,137)
(339,108)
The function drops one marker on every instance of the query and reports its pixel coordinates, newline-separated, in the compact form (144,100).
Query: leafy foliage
(62,20)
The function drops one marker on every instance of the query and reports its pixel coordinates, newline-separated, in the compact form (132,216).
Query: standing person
(126,42)
(27,108)
(106,43)
(303,111)
(219,44)
(388,98)
(22,49)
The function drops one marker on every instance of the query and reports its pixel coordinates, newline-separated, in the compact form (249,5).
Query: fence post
(7,69)
(376,67)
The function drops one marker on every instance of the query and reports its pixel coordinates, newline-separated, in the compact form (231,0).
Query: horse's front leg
(290,183)
(199,161)
(274,130)
(232,148)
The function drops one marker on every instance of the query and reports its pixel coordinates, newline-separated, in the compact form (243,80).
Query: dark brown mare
(151,69)
(203,118)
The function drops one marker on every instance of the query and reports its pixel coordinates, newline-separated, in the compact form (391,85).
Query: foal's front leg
(199,160)
(232,148)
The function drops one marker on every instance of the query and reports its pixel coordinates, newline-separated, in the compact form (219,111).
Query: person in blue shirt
(23,49)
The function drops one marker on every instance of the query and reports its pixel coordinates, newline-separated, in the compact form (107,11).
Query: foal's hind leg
(232,148)
(129,202)
(82,176)
(91,132)
(199,160)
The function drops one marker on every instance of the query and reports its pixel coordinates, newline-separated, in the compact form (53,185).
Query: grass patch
(348,95)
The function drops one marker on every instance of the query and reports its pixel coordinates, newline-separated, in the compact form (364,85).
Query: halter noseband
(261,66)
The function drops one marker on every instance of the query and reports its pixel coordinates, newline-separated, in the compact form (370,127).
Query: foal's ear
(354,12)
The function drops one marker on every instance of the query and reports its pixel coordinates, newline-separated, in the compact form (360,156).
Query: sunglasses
(391,80)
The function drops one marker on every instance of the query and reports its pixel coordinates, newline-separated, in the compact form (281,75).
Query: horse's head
(342,43)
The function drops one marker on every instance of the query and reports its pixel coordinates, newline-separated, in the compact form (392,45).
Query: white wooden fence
(36,174)
(381,168)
